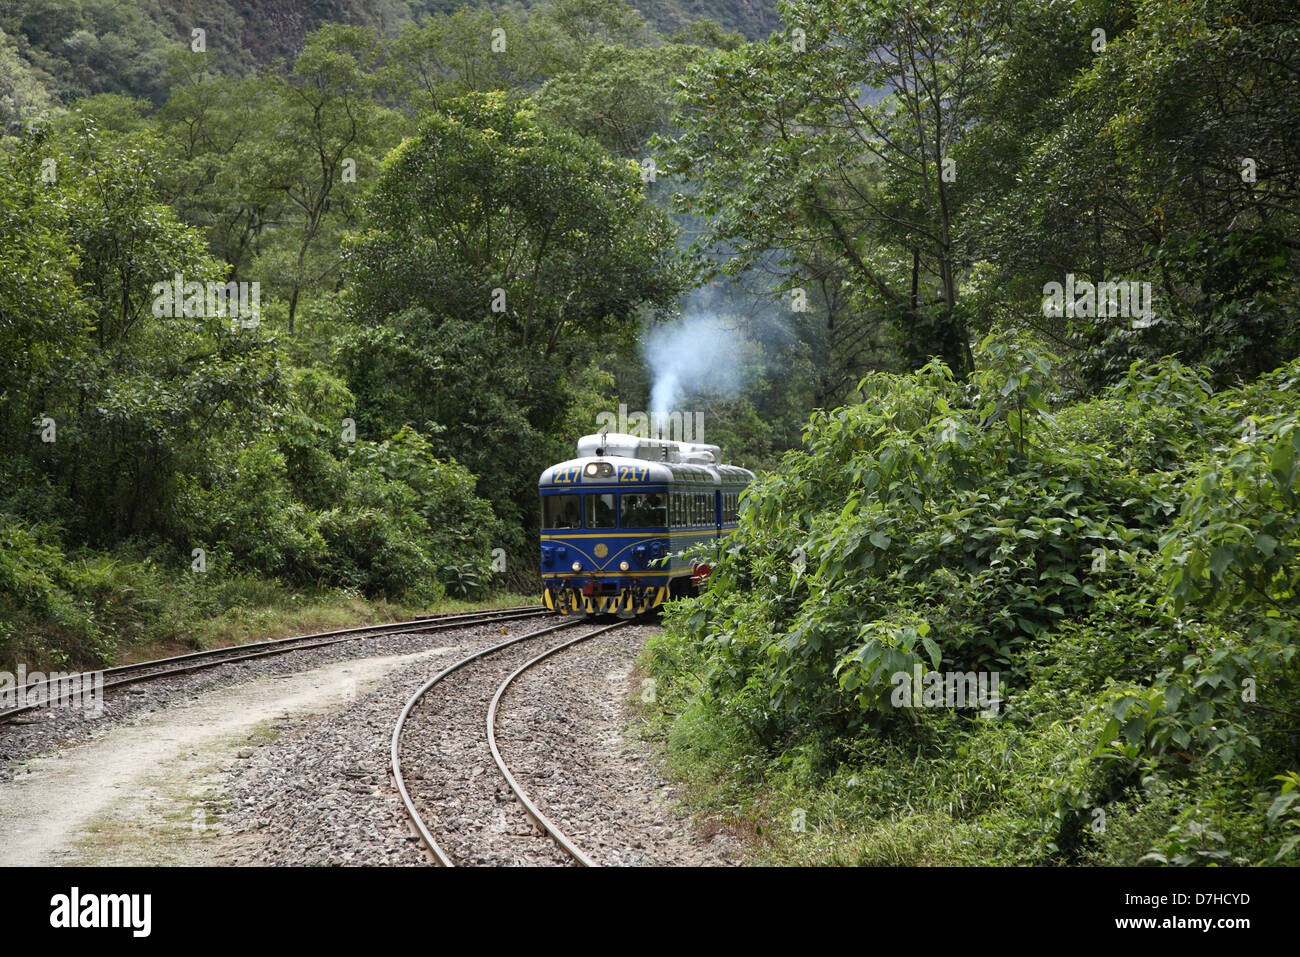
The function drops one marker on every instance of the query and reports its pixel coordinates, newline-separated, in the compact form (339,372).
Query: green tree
(498,255)
(619,96)
(1144,142)
(835,144)
(489,215)
(215,125)
(323,140)
(135,395)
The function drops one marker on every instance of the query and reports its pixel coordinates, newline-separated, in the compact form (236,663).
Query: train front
(604,526)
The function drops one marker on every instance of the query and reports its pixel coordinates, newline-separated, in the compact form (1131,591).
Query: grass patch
(284,613)
(87,610)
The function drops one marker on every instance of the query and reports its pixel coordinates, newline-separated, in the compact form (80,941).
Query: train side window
(644,510)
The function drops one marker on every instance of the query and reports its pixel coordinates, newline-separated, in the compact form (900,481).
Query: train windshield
(601,512)
(560,511)
(645,510)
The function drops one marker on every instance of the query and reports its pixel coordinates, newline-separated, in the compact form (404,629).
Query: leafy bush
(246,510)
(1125,565)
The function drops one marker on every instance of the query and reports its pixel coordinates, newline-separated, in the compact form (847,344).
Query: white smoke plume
(700,353)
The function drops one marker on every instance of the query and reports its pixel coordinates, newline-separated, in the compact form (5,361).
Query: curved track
(201,660)
(417,819)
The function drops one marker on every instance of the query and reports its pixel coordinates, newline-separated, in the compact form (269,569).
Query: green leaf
(933,649)
(1135,729)
(1280,804)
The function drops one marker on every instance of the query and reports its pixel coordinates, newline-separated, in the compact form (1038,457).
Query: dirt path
(140,793)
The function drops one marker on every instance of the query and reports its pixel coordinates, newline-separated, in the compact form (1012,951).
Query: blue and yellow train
(625,502)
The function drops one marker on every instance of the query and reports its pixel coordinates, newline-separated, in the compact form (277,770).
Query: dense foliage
(1127,566)
(163,434)
(929,167)
(64,49)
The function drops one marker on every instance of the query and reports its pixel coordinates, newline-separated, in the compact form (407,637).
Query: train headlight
(577,566)
(623,566)
(593,468)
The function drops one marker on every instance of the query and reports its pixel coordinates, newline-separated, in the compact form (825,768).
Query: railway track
(499,654)
(125,675)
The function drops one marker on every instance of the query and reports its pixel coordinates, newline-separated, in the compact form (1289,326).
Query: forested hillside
(999,299)
(56,50)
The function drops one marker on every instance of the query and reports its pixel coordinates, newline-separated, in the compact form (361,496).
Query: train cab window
(560,511)
(601,510)
(644,510)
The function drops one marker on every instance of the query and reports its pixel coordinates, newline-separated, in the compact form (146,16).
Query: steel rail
(212,658)
(421,829)
(540,819)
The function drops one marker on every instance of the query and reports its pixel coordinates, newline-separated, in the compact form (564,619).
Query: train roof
(666,462)
(623,445)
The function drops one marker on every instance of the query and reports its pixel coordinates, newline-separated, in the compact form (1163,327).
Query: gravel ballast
(309,784)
